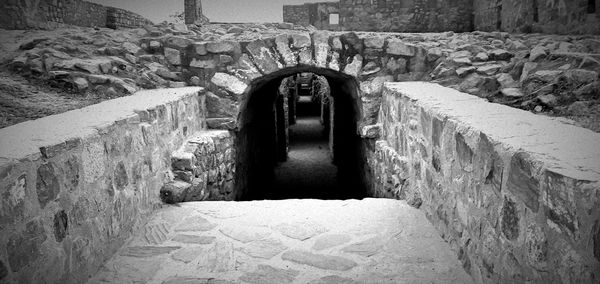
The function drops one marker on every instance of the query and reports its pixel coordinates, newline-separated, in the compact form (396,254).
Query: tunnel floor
(285,241)
(308,172)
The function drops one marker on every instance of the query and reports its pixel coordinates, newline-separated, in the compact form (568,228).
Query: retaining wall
(517,195)
(46,14)
(75,185)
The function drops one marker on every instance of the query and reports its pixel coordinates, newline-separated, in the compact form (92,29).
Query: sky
(238,11)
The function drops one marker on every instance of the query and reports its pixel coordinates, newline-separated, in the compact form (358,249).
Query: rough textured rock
(319,261)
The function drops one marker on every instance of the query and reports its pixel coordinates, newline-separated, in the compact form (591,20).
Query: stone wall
(75,185)
(203,169)
(297,14)
(515,194)
(45,14)
(119,18)
(547,16)
(407,15)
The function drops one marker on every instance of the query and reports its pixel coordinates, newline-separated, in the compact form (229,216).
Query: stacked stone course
(76,185)
(30,14)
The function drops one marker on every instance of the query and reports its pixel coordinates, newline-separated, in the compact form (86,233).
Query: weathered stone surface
(354,68)
(147,251)
(365,248)
(333,279)
(61,226)
(282,43)
(300,231)
(47,185)
(246,234)
(265,249)
(220,107)
(269,274)
(3,271)
(321,48)
(319,260)
(521,181)
(195,224)
(120,177)
(263,56)
(25,247)
(173,56)
(193,239)
(301,41)
(329,241)
(229,83)
(156,234)
(221,47)
(398,47)
(194,280)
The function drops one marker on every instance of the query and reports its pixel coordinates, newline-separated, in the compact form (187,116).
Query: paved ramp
(286,241)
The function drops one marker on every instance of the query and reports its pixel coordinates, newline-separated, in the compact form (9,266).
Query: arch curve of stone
(232,69)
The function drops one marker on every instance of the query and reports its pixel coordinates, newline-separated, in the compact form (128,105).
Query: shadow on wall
(260,145)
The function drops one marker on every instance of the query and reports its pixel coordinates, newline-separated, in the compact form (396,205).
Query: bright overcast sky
(216,10)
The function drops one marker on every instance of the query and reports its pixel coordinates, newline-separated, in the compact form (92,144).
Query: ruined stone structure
(323,16)
(193,12)
(32,14)
(514,194)
(548,16)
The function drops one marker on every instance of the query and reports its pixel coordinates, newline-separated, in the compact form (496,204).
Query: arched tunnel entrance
(298,137)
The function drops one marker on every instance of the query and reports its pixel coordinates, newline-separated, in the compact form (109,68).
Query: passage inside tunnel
(298,138)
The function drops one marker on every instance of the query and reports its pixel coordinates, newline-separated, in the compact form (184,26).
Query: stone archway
(258,136)
(229,68)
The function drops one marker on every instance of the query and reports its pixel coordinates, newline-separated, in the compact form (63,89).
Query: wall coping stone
(25,139)
(563,148)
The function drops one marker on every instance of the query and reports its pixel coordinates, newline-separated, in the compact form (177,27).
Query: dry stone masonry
(76,185)
(515,194)
(549,16)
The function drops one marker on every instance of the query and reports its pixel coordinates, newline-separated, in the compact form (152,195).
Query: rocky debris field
(71,67)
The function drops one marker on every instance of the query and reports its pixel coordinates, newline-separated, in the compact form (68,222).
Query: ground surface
(286,241)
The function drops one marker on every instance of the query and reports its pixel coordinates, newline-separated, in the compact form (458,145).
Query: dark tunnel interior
(299,142)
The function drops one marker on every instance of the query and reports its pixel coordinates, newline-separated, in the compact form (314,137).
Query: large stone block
(521,181)
(398,47)
(47,184)
(263,56)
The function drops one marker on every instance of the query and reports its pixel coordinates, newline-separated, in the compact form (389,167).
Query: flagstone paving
(286,241)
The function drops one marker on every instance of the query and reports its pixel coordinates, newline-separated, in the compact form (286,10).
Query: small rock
(462,61)
(500,54)
(173,56)
(173,84)
(489,69)
(537,53)
(165,73)
(527,68)
(235,30)
(98,79)
(582,76)
(285,26)
(463,71)
(547,75)
(538,109)
(481,56)
(512,92)
(548,100)
(195,81)
(506,81)
(81,84)
(131,48)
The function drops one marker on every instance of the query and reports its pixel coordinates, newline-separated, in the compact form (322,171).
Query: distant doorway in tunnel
(298,139)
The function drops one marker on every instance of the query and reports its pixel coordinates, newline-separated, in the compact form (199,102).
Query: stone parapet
(75,185)
(517,195)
